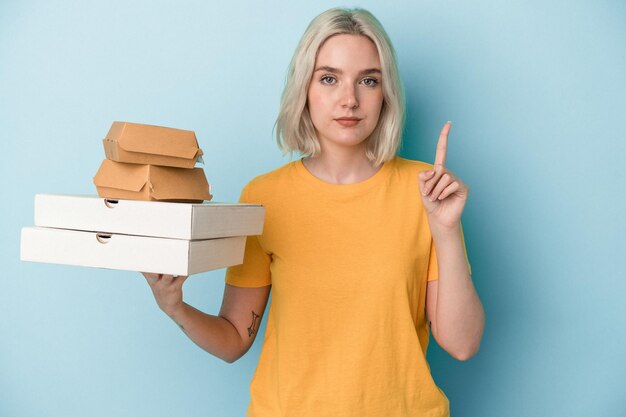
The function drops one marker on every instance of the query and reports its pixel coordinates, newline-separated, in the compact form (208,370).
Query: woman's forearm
(214,334)
(460,316)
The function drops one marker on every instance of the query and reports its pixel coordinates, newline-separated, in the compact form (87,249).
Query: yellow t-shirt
(348,263)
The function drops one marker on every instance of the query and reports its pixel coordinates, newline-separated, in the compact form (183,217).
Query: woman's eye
(327,79)
(370,82)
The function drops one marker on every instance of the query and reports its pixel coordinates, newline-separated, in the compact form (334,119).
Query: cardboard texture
(151,145)
(115,231)
(151,182)
(130,253)
(148,218)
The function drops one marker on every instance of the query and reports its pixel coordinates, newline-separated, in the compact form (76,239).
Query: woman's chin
(347,141)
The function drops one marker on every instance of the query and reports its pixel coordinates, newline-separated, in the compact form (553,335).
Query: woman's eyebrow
(326,68)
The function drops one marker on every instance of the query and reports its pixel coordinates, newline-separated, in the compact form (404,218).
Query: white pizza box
(131,253)
(148,218)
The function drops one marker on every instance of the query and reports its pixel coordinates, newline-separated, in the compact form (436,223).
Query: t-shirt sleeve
(255,269)
(433,267)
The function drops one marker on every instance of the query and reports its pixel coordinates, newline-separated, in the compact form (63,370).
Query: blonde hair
(294,128)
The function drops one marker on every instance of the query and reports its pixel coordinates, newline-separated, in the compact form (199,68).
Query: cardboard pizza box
(148,218)
(129,252)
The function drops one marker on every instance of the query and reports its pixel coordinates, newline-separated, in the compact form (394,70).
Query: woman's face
(345,94)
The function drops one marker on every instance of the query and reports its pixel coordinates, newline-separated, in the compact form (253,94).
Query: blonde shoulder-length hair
(294,129)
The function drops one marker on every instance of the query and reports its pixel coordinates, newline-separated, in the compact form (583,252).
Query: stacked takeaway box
(149,216)
(151,163)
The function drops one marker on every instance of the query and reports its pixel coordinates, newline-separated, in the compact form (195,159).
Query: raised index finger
(442,145)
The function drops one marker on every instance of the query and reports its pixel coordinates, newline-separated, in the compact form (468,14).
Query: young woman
(362,249)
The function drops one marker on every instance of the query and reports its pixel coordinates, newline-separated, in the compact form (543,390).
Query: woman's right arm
(228,335)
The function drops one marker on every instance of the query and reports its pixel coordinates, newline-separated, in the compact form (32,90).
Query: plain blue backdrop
(535,90)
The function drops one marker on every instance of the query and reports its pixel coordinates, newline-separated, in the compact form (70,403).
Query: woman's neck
(341,168)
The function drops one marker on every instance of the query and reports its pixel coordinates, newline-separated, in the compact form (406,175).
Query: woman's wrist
(177,312)
(445,232)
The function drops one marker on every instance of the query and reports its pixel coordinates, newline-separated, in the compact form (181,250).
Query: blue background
(535,90)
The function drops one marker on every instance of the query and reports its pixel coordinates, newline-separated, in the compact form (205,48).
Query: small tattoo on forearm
(252,329)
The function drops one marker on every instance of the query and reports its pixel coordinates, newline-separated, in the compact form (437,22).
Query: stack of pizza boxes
(150,214)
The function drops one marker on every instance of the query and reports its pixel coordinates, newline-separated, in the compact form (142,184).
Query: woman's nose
(349,98)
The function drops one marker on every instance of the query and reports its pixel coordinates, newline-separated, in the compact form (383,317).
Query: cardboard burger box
(151,145)
(151,182)
(157,237)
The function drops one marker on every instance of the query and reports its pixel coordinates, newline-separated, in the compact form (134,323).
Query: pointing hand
(443,194)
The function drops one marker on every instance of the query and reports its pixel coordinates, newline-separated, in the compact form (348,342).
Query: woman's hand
(443,194)
(167,290)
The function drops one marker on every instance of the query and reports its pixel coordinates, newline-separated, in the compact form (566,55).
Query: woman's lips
(348,121)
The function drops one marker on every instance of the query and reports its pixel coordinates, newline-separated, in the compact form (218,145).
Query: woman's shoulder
(411,165)
(264,183)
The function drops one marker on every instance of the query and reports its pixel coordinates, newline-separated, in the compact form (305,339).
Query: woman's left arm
(454,310)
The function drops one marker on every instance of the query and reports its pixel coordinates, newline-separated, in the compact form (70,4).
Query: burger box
(146,236)
(151,145)
(120,180)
